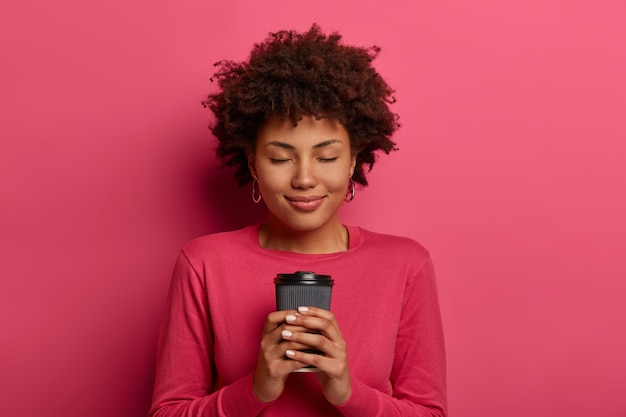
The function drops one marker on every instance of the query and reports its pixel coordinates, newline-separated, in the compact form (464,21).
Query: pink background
(511,171)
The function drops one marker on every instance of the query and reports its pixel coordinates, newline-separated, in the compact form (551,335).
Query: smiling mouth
(305,203)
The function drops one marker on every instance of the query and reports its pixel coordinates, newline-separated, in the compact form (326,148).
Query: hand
(273,366)
(334,375)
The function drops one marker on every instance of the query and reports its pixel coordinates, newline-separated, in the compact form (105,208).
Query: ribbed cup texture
(290,297)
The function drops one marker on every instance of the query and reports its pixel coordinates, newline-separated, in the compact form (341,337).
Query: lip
(305,203)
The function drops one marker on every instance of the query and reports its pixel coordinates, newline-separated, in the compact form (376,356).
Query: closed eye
(327,159)
(278,160)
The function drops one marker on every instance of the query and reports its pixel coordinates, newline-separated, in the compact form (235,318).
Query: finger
(274,362)
(292,364)
(274,344)
(317,342)
(316,312)
(283,364)
(306,358)
(276,318)
(293,340)
(293,328)
(271,340)
(317,320)
(332,367)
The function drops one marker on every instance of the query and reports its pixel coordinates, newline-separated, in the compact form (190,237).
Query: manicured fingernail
(303,309)
(289,318)
(286,333)
(290,353)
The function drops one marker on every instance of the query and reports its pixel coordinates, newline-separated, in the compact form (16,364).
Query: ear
(352,165)
(251,166)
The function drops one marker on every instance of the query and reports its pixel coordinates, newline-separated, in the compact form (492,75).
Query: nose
(304,175)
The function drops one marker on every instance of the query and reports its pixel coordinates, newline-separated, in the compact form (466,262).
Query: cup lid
(303,277)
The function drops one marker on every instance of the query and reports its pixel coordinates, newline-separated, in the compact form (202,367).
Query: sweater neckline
(354,241)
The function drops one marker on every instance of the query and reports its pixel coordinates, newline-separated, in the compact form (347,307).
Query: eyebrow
(291,147)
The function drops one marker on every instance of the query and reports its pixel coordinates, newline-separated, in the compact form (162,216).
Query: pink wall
(511,171)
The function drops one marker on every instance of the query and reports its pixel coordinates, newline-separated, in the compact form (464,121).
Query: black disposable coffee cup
(303,288)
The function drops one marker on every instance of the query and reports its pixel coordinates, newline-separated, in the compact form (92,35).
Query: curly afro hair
(291,75)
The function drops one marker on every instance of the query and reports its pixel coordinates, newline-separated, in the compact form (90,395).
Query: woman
(301,119)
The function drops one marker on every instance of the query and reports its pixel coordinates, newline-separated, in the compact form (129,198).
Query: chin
(302,225)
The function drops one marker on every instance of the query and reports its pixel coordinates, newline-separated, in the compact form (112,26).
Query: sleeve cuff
(238,399)
(364,401)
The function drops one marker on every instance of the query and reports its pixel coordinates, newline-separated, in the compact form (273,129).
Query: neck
(332,237)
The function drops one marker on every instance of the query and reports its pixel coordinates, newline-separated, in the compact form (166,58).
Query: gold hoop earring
(350,192)
(256,198)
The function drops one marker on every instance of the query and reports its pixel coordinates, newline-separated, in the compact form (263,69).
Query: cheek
(337,182)
(272,181)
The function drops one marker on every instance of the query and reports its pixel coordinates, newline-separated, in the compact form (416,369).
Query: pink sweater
(384,299)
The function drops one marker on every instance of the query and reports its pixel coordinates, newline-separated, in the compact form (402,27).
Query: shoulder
(401,259)
(387,242)
(221,243)
(389,250)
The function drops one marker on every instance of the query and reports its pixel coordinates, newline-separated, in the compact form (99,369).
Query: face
(303,172)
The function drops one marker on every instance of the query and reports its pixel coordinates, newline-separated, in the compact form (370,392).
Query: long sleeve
(418,374)
(384,299)
(185,376)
